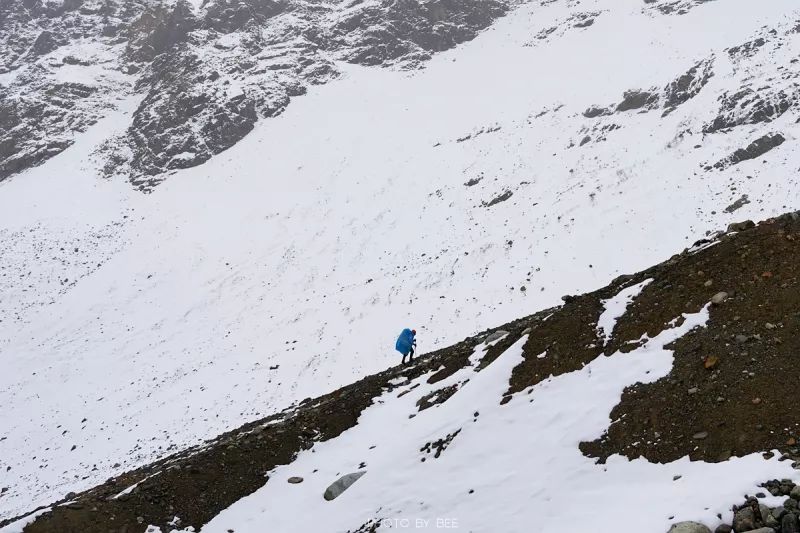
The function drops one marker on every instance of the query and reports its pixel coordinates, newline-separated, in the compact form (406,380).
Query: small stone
(676,478)
(700,436)
(140,519)
(711,362)
(795,492)
(708,283)
(769,325)
(689,527)
(693,390)
(756,401)
(791,441)
(718,298)
(294,480)
(741,339)
(723,528)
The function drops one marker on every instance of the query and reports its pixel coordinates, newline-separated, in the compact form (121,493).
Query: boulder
(499,334)
(789,523)
(341,485)
(744,520)
(689,527)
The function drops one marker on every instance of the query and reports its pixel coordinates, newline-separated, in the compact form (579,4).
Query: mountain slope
(565,144)
(485,434)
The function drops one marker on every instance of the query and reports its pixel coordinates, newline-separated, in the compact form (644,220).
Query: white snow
(615,307)
(315,240)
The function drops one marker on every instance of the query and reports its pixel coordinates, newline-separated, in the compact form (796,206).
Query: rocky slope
(729,392)
(203,75)
(566,143)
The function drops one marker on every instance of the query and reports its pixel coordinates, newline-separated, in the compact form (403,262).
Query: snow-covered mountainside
(444,165)
(646,402)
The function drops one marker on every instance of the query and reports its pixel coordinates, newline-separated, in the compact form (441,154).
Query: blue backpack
(404,342)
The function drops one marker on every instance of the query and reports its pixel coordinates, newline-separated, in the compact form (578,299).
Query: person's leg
(411,354)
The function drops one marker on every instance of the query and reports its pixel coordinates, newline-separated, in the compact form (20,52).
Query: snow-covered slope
(567,143)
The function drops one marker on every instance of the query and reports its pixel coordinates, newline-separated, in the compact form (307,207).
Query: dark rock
(749,106)
(755,149)
(738,204)
(45,43)
(637,100)
(744,520)
(789,523)
(294,480)
(497,199)
(687,86)
(594,112)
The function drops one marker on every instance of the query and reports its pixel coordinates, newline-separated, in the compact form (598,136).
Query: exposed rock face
(750,106)
(207,74)
(755,149)
(749,99)
(675,7)
(688,85)
(638,100)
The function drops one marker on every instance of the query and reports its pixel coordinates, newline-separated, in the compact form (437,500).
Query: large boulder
(341,485)
(689,527)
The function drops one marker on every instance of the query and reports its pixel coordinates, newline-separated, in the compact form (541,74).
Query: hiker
(406,343)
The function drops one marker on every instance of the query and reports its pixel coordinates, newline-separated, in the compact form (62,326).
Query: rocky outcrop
(755,149)
(207,75)
(688,85)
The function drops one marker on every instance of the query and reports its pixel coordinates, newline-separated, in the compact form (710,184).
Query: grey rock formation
(342,484)
(689,527)
(207,74)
